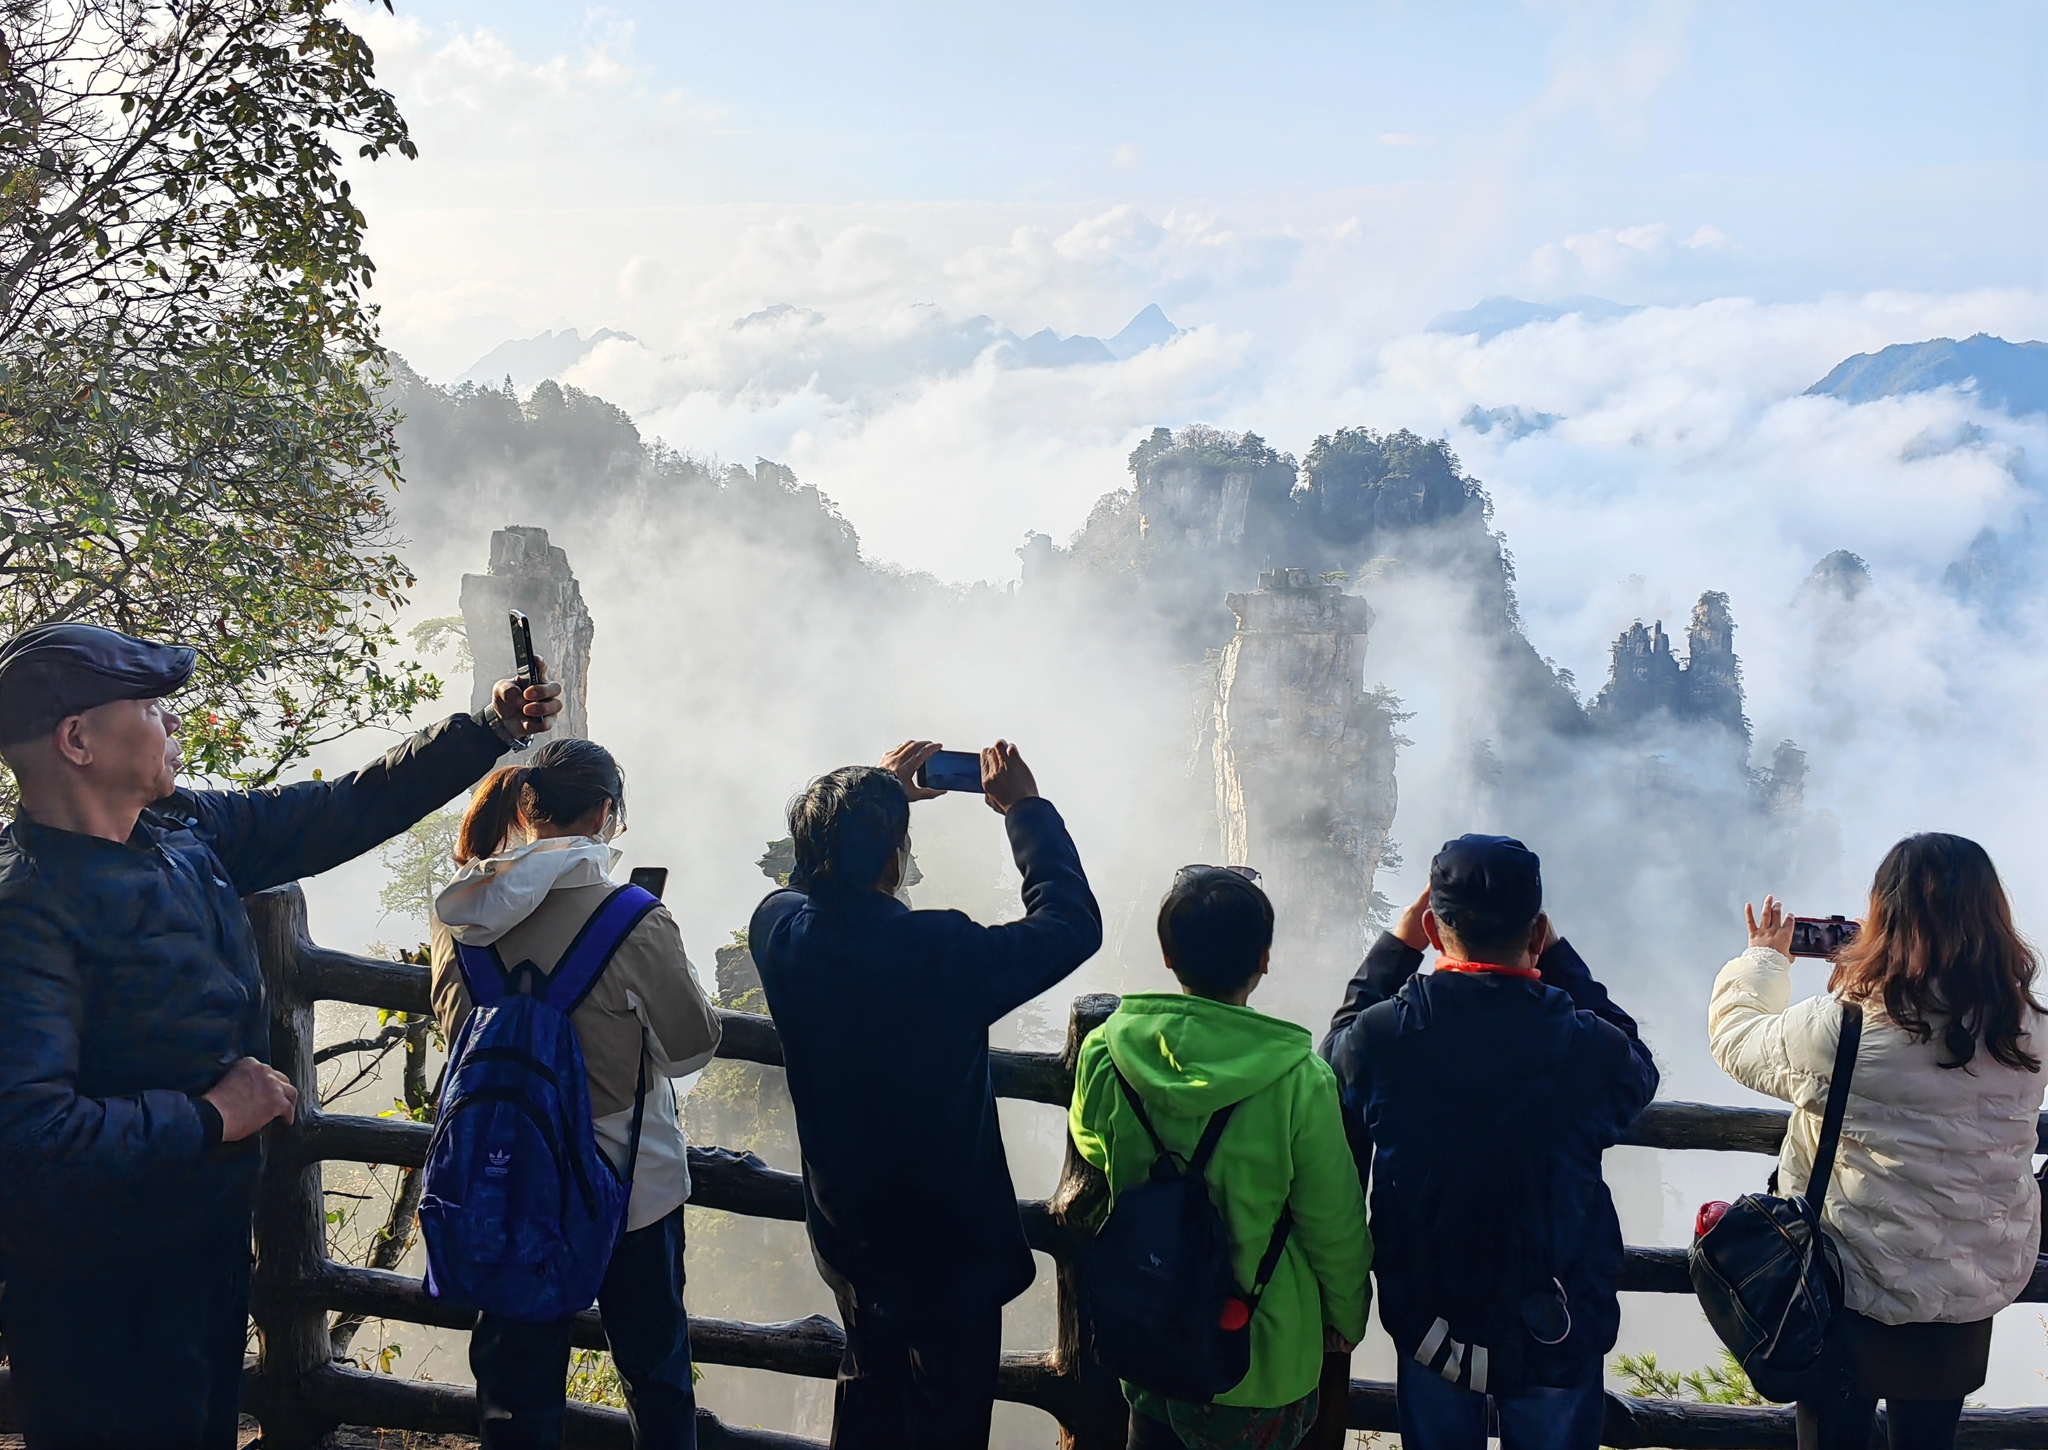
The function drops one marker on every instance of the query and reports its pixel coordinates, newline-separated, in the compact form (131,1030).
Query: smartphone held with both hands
(1822,936)
(951,770)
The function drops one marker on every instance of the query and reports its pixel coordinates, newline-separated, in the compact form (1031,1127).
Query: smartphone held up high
(951,770)
(522,650)
(1821,936)
(651,879)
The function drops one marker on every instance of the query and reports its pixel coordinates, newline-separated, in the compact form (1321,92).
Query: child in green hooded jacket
(1188,1054)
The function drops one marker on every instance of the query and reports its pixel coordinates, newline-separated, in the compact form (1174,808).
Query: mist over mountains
(1509,558)
(527,361)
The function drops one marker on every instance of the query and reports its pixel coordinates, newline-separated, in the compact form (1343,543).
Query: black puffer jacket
(129,984)
(1442,1076)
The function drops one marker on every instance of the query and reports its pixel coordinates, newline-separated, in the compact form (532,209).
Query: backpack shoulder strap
(1204,1150)
(1838,1105)
(483,974)
(1137,1106)
(592,950)
(1271,1260)
(1198,1161)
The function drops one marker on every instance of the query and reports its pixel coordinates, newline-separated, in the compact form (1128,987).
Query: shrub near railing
(299,1392)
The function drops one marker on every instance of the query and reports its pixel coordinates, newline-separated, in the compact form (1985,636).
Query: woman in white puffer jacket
(1933,1201)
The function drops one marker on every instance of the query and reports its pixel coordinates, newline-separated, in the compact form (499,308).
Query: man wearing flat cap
(133,1025)
(1480,1096)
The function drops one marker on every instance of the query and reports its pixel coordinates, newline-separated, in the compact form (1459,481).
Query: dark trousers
(1920,1371)
(1150,1434)
(522,1370)
(916,1375)
(127,1347)
(1438,1415)
(1848,1421)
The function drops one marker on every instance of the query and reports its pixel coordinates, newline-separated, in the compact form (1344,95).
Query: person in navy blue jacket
(1480,1096)
(134,1026)
(884,1015)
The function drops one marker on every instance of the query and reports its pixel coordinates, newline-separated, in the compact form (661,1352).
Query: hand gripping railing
(299,1392)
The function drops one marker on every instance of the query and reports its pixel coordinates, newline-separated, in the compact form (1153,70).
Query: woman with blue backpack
(1236,1251)
(558,1172)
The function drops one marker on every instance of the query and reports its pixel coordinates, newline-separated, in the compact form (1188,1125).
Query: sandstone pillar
(529,574)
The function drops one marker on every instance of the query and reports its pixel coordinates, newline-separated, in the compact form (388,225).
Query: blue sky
(1857,146)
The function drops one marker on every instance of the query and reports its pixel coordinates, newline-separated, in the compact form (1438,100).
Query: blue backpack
(519,1209)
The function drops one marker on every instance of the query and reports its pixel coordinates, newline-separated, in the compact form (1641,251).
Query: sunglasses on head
(1245,871)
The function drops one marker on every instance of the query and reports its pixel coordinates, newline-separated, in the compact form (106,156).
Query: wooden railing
(299,1392)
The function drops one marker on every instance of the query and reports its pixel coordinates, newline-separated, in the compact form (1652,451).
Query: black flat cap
(55,671)
(1493,877)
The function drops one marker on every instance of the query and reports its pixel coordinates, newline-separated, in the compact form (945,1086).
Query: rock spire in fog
(529,574)
(1647,679)
(1304,759)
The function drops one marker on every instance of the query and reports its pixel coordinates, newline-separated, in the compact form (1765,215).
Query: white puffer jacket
(1933,1201)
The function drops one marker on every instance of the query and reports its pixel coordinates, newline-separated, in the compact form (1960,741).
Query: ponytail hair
(565,781)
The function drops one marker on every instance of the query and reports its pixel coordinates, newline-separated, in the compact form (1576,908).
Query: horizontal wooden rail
(719,1178)
(324,973)
(1039,1077)
(345,1396)
(810,1347)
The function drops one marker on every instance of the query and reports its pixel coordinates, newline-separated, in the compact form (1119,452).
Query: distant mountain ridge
(532,360)
(2008,375)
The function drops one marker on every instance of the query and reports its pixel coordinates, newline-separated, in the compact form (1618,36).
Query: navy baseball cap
(1492,878)
(55,671)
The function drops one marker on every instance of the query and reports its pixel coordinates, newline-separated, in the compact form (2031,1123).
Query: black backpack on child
(1169,1316)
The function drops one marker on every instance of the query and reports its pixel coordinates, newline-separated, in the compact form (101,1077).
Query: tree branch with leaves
(191,447)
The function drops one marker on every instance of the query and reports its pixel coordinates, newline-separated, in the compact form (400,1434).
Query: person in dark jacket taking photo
(1481,1095)
(133,1026)
(884,1015)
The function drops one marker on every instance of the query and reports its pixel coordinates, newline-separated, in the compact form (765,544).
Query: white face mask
(903,871)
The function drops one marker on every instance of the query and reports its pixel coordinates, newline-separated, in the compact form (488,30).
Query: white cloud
(1614,257)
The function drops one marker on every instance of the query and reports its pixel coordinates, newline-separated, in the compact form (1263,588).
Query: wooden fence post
(291,1229)
(1094,1415)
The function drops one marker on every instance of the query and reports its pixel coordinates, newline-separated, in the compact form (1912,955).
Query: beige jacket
(530,902)
(1933,1202)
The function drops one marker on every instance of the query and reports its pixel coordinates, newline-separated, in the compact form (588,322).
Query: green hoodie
(1189,1056)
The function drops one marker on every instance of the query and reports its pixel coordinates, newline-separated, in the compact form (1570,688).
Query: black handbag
(1768,1277)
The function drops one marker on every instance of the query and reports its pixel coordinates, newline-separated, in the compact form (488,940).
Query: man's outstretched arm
(268,837)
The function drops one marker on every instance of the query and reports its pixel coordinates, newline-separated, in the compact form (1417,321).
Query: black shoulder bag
(1768,1277)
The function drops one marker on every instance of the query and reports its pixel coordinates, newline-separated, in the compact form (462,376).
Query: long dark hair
(565,781)
(1939,941)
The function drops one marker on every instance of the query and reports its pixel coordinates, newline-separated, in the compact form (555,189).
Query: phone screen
(522,649)
(951,770)
(1821,936)
(651,879)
